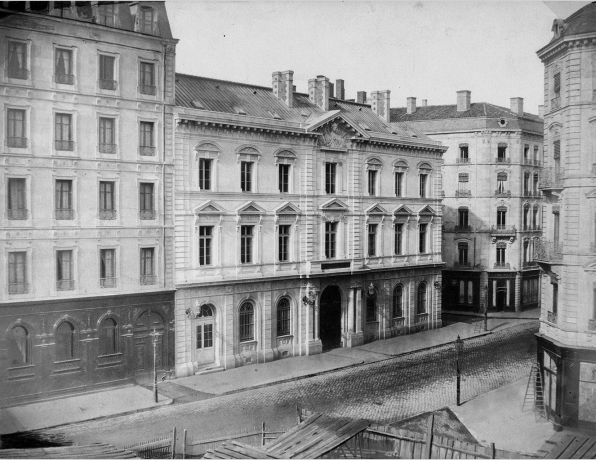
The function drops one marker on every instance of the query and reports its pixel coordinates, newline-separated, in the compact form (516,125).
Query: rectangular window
(372,240)
(526,251)
(501,256)
(399,183)
(462,249)
(557,155)
(17,273)
(463,182)
(556,227)
(526,183)
(16,134)
(64,67)
(372,182)
(557,85)
(330,239)
(146,138)
(399,239)
(148,266)
(330,177)
(423,178)
(205,173)
(106,14)
(17,199)
(107,268)
(526,152)
(501,182)
(535,218)
(246,234)
(463,218)
(535,154)
(63,201)
(146,19)
(284,243)
(422,246)
(463,153)
(63,131)
(205,243)
(107,201)
(147,78)
(371,309)
(284,178)
(107,78)
(107,135)
(535,184)
(555,298)
(17,60)
(501,153)
(64,275)
(501,217)
(246,176)
(146,201)
(526,217)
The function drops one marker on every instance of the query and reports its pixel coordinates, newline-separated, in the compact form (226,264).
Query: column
(358,294)
(351,311)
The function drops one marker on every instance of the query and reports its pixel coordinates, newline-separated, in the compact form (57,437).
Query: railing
(147,89)
(551,317)
(108,84)
(530,228)
(551,178)
(462,160)
(18,288)
(64,145)
(503,229)
(17,142)
(108,282)
(21,74)
(147,214)
(463,193)
(545,250)
(502,265)
(462,229)
(503,193)
(107,214)
(108,148)
(555,103)
(147,151)
(531,193)
(148,279)
(65,78)
(65,285)
(462,264)
(17,214)
(502,160)
(64,214)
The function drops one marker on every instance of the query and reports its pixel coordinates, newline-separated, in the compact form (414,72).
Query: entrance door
(203,336)
(330,318)
(501,295)
(149,339)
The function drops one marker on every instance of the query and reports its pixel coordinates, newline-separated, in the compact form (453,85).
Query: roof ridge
(225,81)
(349,102)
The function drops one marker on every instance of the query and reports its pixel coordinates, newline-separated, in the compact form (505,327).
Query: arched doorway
(203,335)
(330,318)
(149,327)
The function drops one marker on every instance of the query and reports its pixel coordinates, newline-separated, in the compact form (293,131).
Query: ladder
(534,397)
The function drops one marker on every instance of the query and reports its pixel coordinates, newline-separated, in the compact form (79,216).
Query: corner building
(85,195)
(567,336)
(291,235)
(492,205)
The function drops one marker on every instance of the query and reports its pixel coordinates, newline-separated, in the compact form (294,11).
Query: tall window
(247,322)
(108,337)
(399,183)
(526,152)
(555,298)
(106,14)
(372,240)
(64,272)
(399,239)
(462,250)
(107,268)
(330,177)
(107,202)
(557,85)
(501,182)
(556,222)
(148,266)
(146,201)
(17,273)
(17,60)
(64,209)
(64,67)
(17,199)
(107,78)
(19,346)
(423,180)
(330,239)
(204,332)
(421,298)
(16,134)
(501,255)
(397,311)
(535,184)
(246,176)
(501,153)
(205,173)
(526,217)
(526,183)
(65,341)
(246,234)
(535,154)
(146,138)
(501,216)
(463,153)
(526,250)
(283,178)
(372,182)
(63,132)
(462,217)
(535,218)
(463,182)
(422,246)
(371,308)
(557,154)
(146,19)
(107,135)
(283,243)
(283,317)
(147,78)
(205,242)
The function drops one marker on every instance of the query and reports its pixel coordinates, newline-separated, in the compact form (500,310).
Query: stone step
(209,370)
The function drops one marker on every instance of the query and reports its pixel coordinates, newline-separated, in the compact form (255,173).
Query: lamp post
(155,335)
(459,348)
(486,309)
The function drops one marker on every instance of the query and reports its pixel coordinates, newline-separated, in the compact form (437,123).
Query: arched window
(204,311)
(462,253)
(470,291)
(247,322)
(283,317)
(65,341)
(108,337)
(398,300)
(421,304)
(526,183)
(19,346)
(462,291)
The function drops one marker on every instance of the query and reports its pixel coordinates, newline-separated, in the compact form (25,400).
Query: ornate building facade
(304,222)
(492,205)
(567,337)
(86,195)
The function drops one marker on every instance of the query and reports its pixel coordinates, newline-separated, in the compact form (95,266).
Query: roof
(438,112)
(98,450)
(235,449)
(316,436)
(581,22)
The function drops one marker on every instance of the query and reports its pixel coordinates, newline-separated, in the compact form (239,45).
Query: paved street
(384,392)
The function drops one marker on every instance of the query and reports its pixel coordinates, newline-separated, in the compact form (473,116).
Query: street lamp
(155,335)
(486,310)
(459,348)
(311,295)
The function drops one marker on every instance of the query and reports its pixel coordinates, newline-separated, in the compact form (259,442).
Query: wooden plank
(301,437)
(305,448)
(290,434)
(429,436)
(580,453)
(591,453)
(341,436)
(561,446)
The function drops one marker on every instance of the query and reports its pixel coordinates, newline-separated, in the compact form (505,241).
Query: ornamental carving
(333,136)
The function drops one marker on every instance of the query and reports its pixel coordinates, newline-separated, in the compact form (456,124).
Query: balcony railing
(64,145)
(463,193)
(65,79)
(547,251)
(147,214)
(108,84)
(107,214)
(108,282)
(108,148)
(530,228)
(65,285)
(503,229)
(502,265)
(555,103)
(147,151)
(502,160)
(148,279)
(18,288)
(20,74)
(17,214)
(531,193)
(462,160)
(64,214)
(551,317)
(551,178)
(16,142)
(503,193)
(462,265)
(462,228)
(147,89)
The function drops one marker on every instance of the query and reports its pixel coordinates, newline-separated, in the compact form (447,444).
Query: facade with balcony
(86,219)
(567,336)
(303,222)
(492,207)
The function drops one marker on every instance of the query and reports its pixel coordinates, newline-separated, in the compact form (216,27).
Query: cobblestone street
(384,392)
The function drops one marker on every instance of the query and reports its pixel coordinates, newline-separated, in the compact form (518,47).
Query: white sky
(428,50)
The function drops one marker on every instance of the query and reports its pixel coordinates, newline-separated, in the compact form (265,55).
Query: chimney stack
(283,87)
(411,105)
(340,90)
(517,106)
(379,101)
(361,97)
(319,91)
(331,89)
(424,102)
(463,100)
(541,111)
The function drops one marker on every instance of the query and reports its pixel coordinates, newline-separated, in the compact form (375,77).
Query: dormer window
(146,20)
(106,14)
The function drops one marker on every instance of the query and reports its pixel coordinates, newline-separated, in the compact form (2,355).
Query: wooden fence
(164,447)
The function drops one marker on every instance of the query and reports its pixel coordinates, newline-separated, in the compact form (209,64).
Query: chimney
(361,97)
(424,103)
(517,106)
(463,100)
(379,102)
(541,111)
(411,105)
(318,91)
(340,90)
(283,87)
(331,89)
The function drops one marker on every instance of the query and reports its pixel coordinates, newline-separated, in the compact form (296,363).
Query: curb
(478,315)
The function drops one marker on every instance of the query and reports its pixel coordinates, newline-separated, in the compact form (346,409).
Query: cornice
(577,41)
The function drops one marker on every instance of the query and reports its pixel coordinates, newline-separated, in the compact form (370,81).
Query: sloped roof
(581,22)
(438,112)
(97,450)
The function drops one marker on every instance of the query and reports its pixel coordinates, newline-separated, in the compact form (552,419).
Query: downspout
(163,166)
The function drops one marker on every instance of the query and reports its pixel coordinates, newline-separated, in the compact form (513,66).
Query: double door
(149,342)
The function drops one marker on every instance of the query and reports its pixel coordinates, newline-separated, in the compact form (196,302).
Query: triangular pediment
(250,208)
(376,209)
(288,209)
(427,211)
(336,131)
(334,205)
(403,210)
(209,207)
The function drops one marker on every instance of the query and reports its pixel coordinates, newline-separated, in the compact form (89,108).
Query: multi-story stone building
(303,222)
(567,337)
(85,191)
(492,205)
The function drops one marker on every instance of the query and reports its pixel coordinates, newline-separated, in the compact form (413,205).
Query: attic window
(364,126)
(198,105)
(274,115)
(239,110)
